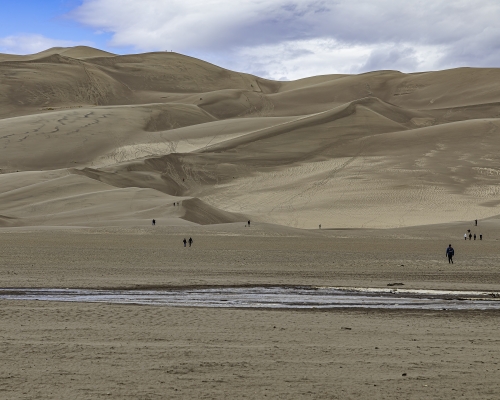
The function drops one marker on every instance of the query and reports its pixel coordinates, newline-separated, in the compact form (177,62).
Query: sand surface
(61,350)
(393,166)
(55,351)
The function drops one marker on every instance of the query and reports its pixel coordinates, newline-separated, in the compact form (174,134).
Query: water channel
(295,297)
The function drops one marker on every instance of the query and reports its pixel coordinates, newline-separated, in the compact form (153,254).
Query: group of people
(450,252)
(472,235)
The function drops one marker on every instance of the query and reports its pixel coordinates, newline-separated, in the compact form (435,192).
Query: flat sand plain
(68,350)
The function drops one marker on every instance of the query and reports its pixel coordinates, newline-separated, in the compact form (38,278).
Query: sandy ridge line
(334,114)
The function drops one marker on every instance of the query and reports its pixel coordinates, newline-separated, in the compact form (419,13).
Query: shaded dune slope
(100,139)
(77,200)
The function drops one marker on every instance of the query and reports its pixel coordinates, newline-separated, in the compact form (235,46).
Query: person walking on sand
(153,222)
(190,241)
(474,236)
(480,236)
(248,222)
(450,252)
(475,221)
(184,241)
(465,236)
(470,236)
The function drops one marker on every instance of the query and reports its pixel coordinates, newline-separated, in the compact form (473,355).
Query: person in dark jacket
(450,252)
(184,241)
(190,241)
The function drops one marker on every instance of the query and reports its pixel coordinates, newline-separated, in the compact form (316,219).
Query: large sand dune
(89,138)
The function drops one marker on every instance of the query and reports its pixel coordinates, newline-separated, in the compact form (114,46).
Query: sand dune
(78,52)
(91,138)
(89,202)
(86,135)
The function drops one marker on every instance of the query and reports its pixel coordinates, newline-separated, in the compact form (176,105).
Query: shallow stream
(271,297)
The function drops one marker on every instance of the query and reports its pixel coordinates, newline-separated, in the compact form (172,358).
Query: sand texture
(391,166)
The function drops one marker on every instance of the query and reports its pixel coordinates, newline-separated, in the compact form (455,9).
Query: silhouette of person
(450,252)
(480,236)
(184,241)
(474,236)
(248,222)
(470,236)
(153,222)
(475,221)
(190,241)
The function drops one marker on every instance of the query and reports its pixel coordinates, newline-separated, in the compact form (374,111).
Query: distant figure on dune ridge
(475,221)
(450,252)
(153,222)
(184,241)
(190,241)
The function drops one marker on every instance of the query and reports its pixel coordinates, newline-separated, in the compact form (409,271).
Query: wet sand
(61,350)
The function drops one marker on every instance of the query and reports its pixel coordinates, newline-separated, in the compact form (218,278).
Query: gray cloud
(410,36)
(404,59)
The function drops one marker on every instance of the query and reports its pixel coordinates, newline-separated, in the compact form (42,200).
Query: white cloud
(297,59)
(30,44)
(294,38)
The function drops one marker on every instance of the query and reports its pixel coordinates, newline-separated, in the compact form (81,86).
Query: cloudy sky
(278,39)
